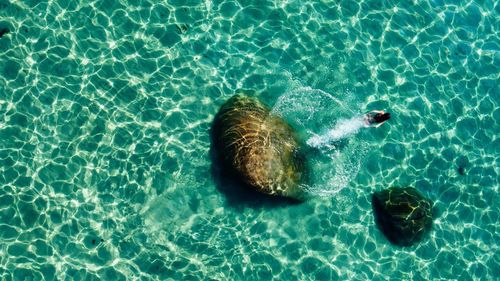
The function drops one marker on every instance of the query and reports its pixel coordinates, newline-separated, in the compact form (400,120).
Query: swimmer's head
(381,117)
(376,118)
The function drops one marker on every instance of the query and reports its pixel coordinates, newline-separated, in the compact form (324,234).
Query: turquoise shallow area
(105,112)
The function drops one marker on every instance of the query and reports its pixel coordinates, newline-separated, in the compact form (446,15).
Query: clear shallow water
(105,152)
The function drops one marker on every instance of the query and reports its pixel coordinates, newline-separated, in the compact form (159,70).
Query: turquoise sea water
(106,107)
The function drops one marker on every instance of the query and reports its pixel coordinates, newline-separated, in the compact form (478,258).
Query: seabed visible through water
(106,108)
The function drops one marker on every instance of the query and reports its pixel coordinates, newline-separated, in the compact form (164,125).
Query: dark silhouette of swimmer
(376,118)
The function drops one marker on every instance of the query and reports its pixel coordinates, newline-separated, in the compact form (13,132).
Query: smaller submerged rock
(403,214)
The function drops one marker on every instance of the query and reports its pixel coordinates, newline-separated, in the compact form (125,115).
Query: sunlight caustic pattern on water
(106,108)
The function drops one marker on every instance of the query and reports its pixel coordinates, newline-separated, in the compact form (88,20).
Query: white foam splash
(343,128)
(324,120)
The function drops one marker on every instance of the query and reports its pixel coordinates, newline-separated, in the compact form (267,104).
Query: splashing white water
(344,128)
(313,111)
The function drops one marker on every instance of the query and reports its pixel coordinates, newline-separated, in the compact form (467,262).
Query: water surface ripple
(106,107)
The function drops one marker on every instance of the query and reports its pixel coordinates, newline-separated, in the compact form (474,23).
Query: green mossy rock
(403,214)
(259,147)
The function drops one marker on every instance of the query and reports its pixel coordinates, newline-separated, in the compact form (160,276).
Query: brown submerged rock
(403,214)
(259,147)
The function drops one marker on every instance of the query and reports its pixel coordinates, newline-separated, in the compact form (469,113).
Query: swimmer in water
(376,118)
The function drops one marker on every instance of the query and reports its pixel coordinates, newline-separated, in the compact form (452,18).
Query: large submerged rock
(259,147)
(403,214)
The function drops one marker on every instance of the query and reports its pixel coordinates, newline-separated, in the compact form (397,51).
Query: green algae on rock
(403,214)
(259,147)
